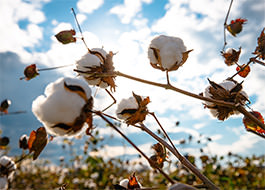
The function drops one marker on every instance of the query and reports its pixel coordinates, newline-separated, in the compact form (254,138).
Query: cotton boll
(124,183)
(62,103)
(129,103)
(169,50)
(93,62)
(7,166)
(228,96)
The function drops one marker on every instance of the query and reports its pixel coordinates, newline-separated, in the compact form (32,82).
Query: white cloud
(88,6)
(241,146)
(12,37)
(129,10)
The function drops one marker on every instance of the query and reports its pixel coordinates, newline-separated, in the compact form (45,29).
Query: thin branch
(181,158)
(128,140)
(165,133)
(12,113)
(52,68)
(259,62)
(241,109)
(252,59)
(225,23)
(256,133)
(114,100)
(78,25)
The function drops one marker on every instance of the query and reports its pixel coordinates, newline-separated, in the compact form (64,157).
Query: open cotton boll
(227,92)
(62,103)
(90,63)
(126,104)
(124,183)
(166,52)
(7,166)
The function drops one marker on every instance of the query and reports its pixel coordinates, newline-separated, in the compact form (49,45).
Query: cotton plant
(133,109)
(228,91)
(65,107)
(7,169)
(130,183)
(95,63)
(167,53)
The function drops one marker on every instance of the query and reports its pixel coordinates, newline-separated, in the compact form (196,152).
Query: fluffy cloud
(88,6)
(12,36)
(127,11)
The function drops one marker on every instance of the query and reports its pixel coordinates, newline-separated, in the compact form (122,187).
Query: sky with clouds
(127,26)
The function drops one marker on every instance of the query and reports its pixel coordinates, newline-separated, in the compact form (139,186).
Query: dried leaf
(30,72)
(66,36)
(5,105)
(250,125)
(260,49)
(245,70)
(37,141)
(4,141)
(133,183)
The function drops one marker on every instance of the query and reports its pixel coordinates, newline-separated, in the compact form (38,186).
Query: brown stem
(128,140)
(259,62)
(78,25)
(225,23)
(182,159)
(114,100)
(165,133)
(52,68)
(252,59)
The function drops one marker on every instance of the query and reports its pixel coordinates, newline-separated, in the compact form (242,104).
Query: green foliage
(93,172)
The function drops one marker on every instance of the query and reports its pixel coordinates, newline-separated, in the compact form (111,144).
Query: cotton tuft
(89,62)
(129,103)
(61,105)
(170,49)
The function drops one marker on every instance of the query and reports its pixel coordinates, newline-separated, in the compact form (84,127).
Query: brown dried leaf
(260,49)
(37,141)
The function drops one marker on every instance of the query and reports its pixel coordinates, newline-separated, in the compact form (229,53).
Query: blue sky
(127,27)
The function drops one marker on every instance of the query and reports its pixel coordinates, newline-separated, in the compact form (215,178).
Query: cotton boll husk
(228,85)
(129,103)
(59,105)
(171,49)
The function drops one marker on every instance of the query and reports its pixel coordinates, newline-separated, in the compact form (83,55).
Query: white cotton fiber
(90,61)
(124,104)
(170,48)
(60,105)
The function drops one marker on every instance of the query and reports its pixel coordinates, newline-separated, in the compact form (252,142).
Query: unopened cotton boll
(167,53)
(61,104)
